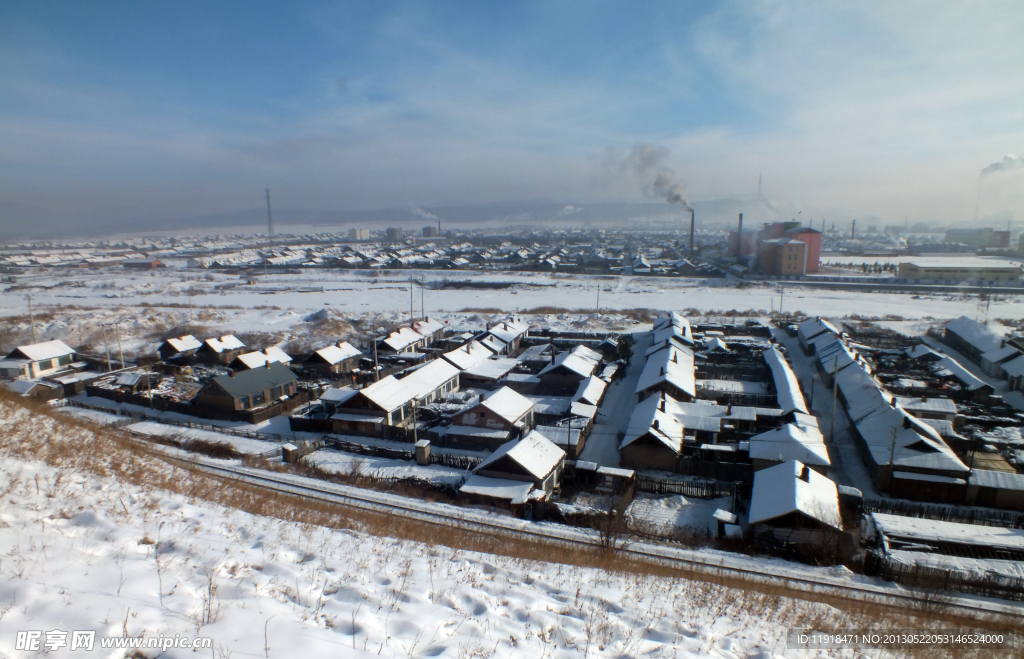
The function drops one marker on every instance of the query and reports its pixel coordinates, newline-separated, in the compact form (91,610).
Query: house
(569,369)
(179,348)
(970,338)
(336,359)
(787,388)
(929,408)
(654,437)
(391,401)
(591,391)
(247,389)
(811,328)
(271,355)
(510,332)
(992,361)
(791,441)
(570,437)
(221,350)
(36,360)
(669,370)
(923,353)
(492,420)
(37,390)
(520,470)
(791,502)
(672,325)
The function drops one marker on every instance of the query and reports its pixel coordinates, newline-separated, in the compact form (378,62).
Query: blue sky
(193,107)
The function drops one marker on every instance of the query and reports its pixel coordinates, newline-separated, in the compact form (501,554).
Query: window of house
(244,400)
(259,399)
(275,392)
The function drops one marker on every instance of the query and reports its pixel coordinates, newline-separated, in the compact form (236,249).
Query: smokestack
(739,238)
(691,231)
(853,229)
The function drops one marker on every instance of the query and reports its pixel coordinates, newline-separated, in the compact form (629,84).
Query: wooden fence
(982,516)
(695,489)
(935,580)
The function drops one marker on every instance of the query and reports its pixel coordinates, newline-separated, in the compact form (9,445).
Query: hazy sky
(848,108)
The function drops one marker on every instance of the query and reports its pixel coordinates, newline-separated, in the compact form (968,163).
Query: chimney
(232,374)
(661,405)
(805,474)
(739,237)
(691,231)
(853,229)
(481,398)
(655,424)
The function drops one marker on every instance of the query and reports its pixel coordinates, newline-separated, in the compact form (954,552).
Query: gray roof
(254,380)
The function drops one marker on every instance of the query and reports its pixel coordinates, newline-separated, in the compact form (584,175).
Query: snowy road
(613,416)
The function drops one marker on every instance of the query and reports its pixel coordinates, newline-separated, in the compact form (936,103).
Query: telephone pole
(32,319)
(270,217)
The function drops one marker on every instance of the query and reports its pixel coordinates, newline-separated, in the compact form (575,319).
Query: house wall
(561,379)
(642,455)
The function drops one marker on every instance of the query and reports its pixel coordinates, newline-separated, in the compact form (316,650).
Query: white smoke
(569,210)
(419,212)
(646,161)
(1008,163)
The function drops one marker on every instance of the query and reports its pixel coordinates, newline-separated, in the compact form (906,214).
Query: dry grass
(37,433)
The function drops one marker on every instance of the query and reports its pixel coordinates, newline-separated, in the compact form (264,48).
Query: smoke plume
(646,162)
(419,212)
(1006,164)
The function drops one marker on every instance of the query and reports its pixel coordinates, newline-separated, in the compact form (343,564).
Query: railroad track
(437,514)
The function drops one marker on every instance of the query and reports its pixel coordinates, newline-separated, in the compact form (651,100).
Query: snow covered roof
(468,355)
(934,405)
(47,350)
(226,342)
(1002,480)
(429,377)
(270,355)
(974,334)
(492,369)
(427,327)
(787,388)
(792,487)
(561,436)
(673,365)
(388,393)
(590,390)
(498,488)
(812,327)
(931,530)
(510,329)
(716,343)
(1000,354)
(675,331)
(535,453)
(1015,367)
(335,354)
(507,403)
(917,445)
(573,361)
(649,418)
(493,343)
(835,356)
(337,395)
(968,379)
(920,350)
(402,339)
(184,343)
(791,442)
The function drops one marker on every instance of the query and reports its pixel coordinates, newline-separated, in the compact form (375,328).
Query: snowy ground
(148,305)
(91,552)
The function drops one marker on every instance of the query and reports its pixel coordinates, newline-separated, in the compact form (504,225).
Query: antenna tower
(270,216)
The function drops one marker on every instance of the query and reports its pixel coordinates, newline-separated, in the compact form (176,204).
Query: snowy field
(91,552)
(316,307)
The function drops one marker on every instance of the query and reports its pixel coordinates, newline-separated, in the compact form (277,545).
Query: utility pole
(782,296)
(149,389)
(410,302)
(107,346)
(892,453)
(32,319)
(117,328)
(376,368)
(423,304)
(270,217)
(835,394)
